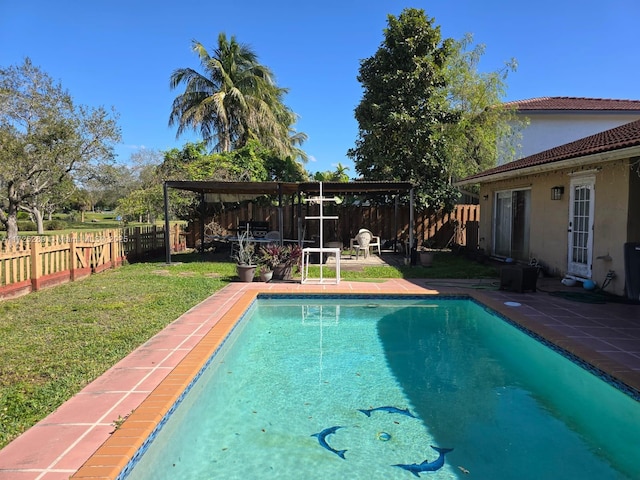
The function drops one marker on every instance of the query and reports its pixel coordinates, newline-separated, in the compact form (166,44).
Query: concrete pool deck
(80,439)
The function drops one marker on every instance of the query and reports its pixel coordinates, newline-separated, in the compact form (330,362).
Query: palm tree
(288,141)
(236,99)
(340,173)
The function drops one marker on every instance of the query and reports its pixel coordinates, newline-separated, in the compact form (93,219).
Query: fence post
(36,263)
(114,248)
(154,242)
(72,257)
(138,241)
(176,237)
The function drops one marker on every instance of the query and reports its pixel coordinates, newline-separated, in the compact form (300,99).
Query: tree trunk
(12,227)
(10,219)
(37,215)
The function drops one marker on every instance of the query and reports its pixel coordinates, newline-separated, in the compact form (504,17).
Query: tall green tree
(486,129)
(252,162)
(234,100)
(45,140)
(427,115)
(404,109)
(176,164)
(141,194)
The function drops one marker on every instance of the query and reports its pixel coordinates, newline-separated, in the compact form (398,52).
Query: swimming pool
(453,375)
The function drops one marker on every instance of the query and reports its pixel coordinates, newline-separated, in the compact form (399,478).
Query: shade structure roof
(239,191)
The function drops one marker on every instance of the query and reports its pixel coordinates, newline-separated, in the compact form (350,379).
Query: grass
(55,341)
(445,265)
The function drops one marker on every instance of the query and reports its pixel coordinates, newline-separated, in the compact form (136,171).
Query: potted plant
(245,259)
(281,259)
(426,253)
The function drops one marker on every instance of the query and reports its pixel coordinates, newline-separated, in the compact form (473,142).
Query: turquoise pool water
(455,375)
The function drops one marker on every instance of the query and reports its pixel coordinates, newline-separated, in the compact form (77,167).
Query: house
(554,121)
(571,207)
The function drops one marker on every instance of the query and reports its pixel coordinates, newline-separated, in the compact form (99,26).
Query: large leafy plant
(274,255)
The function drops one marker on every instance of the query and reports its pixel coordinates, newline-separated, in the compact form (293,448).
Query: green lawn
(55,341)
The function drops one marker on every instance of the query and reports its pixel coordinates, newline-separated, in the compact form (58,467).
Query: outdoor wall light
(486,197)
(556,193)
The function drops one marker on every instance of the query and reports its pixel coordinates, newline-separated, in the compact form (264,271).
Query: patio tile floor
(606,335)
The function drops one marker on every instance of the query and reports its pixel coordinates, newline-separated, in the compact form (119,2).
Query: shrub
(55,225)
(26,226)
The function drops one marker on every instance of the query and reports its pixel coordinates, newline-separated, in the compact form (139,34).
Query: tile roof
(624,136)
(575,103)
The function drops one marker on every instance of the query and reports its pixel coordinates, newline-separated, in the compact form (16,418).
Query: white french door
(581,203)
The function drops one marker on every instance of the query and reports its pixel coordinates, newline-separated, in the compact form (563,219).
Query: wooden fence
(436,228)
(35,262)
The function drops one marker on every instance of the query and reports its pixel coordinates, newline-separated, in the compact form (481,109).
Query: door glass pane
(512,226)
(520,227)
(503,224)
(579,252)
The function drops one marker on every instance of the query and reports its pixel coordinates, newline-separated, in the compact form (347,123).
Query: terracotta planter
(246,272)
(282,272)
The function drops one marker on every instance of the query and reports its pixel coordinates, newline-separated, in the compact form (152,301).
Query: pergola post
(299,219)
(411,223)
(396,210)
(167,235)
(280,215)
(202,207)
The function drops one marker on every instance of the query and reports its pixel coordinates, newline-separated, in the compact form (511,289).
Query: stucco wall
(548,129)
(550,218)
(610,223)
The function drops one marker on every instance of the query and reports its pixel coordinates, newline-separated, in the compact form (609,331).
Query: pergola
(241,191)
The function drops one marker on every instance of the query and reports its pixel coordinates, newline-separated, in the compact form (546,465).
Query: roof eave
(555,165)
(556,111)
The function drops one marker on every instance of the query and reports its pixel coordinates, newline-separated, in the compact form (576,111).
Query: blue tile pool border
(124,473)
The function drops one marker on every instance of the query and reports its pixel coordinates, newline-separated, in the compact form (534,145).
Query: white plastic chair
(362,242)
(375,242)
(365,237)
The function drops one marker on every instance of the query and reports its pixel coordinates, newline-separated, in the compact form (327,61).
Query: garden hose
(475,286)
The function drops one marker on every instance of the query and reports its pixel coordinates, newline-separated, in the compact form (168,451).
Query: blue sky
(121,53)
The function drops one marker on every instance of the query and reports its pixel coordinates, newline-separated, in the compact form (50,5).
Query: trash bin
(518,278)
